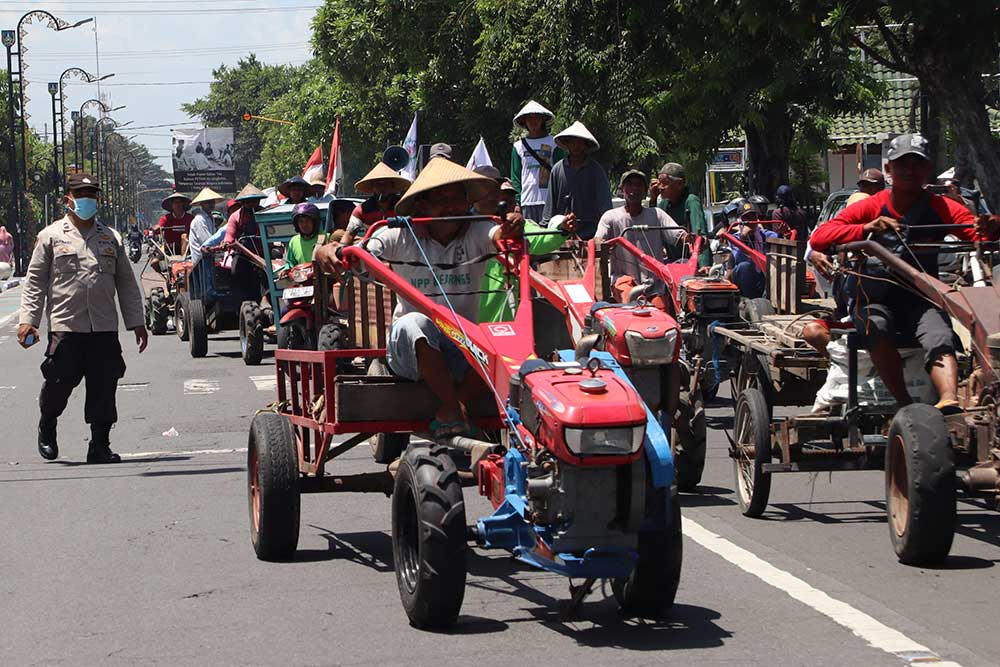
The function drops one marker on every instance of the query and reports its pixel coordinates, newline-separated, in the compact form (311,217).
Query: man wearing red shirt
(175,224)
(888,314)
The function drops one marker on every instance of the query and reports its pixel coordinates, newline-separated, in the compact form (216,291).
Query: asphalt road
(150,561)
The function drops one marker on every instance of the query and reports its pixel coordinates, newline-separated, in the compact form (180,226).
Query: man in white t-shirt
(626,271)
(532,157)
(417,349)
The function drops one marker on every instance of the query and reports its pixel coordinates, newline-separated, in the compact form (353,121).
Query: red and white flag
(314,167)
(335,172)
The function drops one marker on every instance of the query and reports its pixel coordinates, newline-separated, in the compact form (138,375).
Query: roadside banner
(480,156)
(203,158)
(410,144)
(335,172)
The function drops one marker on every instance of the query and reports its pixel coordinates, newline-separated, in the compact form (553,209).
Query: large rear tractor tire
(754,310)
(688,441)
(273,487)
(251,333)
(428,537)
(197,327)
(920,486)
(752,433)
(156,312)
(650,590)
(386,447)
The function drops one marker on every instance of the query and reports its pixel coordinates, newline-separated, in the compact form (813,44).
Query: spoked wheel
(752,374)
(650,590)
(386,447)
(251,333)
(752,429)
(197,327)
(273,487)
(180,316)
(920,486)
(428,537)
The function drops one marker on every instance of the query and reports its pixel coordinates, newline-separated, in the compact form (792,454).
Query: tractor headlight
(651,351)
(615,440)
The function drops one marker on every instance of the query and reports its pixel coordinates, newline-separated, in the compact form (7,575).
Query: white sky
(141,44)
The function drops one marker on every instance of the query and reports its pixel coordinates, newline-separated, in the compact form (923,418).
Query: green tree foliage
(246,88)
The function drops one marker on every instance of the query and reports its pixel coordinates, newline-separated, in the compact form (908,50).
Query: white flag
(410,144)
(480,157)
(336,171)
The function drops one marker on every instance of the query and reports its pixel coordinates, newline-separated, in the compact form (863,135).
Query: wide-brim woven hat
(318,180)
(440,172)
(294,180)
(207,194)
(165,204)
(250,191)
(381,172)
(579,131)
(530,108)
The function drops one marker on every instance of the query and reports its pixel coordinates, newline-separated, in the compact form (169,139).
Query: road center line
(183,452)
(875,633)
(265,382)
(199,386)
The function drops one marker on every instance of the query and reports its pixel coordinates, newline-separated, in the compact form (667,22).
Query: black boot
(100,445)
(47,445)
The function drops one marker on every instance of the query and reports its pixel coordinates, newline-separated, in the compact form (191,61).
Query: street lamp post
(102,150)
(87,78)
(75,117)
(82,122)
(53,90)
(8,38)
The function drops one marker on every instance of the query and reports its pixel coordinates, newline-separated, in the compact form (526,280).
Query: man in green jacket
(685,208)
(493,305)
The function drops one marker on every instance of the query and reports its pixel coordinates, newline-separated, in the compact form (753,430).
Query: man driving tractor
(888,314)
(458,251)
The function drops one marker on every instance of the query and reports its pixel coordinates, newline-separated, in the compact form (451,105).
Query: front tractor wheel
(650,589)
(273,487)
(688,441)
(920,486)
(428,537)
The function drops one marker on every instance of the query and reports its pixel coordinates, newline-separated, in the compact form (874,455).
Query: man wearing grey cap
(677,201)
(888,314)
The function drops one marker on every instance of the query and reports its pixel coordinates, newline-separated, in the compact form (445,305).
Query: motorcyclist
(890,314)
(305,219)
(743,272)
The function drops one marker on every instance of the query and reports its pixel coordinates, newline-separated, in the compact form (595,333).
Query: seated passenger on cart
(627,272)
(744,273)
(175,224)
(417,349)
(385,187)
(889,314)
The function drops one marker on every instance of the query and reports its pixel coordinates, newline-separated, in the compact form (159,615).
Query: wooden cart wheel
(920,486)
(180,316)
(273,487)
(752,431)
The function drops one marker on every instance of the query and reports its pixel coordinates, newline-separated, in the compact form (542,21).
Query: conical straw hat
(533,107)
(580,131)
(165,204)
(381,172)
(207,194)
(440,172)
(250,191)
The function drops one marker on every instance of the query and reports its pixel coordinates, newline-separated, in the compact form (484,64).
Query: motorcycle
(134,250)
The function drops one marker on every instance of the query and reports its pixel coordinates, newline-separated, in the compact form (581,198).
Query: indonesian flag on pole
(335,173)
(480,156)
(410,144)
(314,167)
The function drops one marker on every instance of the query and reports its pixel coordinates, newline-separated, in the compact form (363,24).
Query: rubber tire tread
(330,338)
(280,500)
(386,447)
(180,317)
(252,327)
(753,400)
(430,474)
(689,459)
(756,309)
(197,328)
(930,467)
(650,590)
(157,312)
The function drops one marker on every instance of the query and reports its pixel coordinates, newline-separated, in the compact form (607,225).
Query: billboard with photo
(203,158)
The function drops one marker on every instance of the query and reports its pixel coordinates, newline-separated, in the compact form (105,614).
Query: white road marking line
(265,382)
(133,386)
(6,390)
(199,386)
(876,634)
(5,320)
(182,452)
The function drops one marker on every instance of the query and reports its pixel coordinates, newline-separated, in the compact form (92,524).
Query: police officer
(78,265)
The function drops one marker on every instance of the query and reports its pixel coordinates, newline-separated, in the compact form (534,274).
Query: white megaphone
(396,157)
